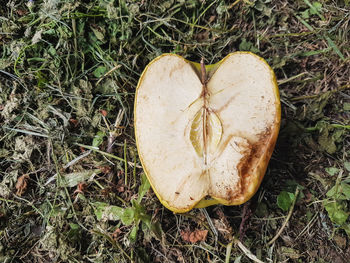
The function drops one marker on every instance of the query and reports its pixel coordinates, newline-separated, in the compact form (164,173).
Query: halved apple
(205,134)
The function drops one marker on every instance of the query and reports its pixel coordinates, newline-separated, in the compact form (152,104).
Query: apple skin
(258,173)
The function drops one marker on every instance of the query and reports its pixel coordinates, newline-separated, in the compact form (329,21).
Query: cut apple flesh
(206,141)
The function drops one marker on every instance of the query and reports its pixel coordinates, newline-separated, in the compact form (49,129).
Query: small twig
(244,249)
(95,149)
(109,72)
(77,159)
(283,81)
(233,4)
(246,213)
(228,252)
(333,125)
(115,131)
(125,164)
(286,220)
(211,225)
(28,132)
(308,226)
(9,201)
(344,87)
(73,162)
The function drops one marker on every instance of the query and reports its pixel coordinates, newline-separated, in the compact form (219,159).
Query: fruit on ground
(205,134)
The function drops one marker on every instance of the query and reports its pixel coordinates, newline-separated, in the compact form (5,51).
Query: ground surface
(67,70)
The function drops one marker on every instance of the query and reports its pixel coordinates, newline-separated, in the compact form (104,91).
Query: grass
(68,72)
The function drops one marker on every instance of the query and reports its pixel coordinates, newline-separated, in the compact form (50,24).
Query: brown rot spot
(234,194)
(177,193)
(251,160)
(191,198)
(230,194)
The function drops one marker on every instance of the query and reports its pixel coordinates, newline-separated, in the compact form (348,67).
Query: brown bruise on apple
(216,139)
(246,166)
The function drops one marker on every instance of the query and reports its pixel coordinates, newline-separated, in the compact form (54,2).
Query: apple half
(205,134)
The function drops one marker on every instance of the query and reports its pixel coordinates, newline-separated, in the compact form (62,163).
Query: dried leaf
(37,36)
(74,122)
(202,36)
(98,31)
(81,187)
(21,184)
(104,112)
(73,179)
(195,236)
(104,211)
(223,226)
